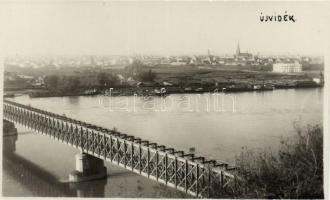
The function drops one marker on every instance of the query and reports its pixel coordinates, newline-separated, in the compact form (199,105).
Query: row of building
(239,58)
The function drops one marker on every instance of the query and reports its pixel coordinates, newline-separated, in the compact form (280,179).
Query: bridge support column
(10,136)
(88,168)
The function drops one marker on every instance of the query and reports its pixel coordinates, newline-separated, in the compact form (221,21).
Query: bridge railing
(196,176)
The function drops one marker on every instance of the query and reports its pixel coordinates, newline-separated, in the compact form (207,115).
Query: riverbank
(266,174)
(149,91)
(170,80)
(162,91)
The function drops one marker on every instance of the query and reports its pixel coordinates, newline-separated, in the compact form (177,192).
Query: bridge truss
(196,176)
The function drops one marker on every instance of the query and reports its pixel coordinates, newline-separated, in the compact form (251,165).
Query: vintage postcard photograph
(165,99)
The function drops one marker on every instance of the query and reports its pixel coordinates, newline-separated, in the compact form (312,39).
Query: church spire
(238,51)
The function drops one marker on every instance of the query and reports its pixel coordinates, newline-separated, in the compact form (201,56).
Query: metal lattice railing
(185,172)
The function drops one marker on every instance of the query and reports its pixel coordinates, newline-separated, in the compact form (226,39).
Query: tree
(102,79)
(73,83)
(147,76)
(135,68)
(106,80)
(51,82)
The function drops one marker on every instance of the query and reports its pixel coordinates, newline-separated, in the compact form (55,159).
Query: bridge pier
(88,168)
(10,136)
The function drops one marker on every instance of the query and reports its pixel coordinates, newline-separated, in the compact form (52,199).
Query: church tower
(238,51)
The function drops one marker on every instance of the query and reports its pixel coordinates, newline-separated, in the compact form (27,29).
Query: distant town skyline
(160,28)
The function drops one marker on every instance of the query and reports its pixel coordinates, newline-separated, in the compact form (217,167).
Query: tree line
(137,71)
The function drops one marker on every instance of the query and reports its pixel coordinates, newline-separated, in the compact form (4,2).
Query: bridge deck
(185,172)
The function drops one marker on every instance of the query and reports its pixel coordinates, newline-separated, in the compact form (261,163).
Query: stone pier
(10,136)
(88,168)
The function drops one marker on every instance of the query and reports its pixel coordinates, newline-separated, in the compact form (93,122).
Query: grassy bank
(295,171)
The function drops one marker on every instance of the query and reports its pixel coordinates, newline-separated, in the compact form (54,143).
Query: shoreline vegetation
(293,172)
(157,91)
(143,80)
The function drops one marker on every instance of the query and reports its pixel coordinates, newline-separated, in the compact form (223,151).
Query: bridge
(185,172)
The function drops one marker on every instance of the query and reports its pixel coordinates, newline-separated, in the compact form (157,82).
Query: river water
(217,125)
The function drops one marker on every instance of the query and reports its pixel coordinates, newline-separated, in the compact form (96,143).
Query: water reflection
(35,179)
(38,180)
(94,188)
(73,100)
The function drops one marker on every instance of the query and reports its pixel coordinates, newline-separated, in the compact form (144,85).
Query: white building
(317,80)
(178,63)
(287,67)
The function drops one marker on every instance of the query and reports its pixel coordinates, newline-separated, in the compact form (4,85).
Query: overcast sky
(168,28)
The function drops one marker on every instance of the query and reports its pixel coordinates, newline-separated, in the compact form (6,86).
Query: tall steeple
(238,51)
